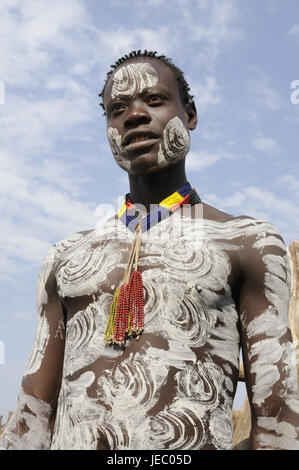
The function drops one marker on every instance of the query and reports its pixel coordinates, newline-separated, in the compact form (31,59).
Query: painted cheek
(175,144)
(117,149)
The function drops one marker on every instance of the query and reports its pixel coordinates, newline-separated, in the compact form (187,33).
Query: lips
(139,137)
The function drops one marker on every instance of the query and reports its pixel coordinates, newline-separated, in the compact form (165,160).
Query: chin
(144,170)
(144,164)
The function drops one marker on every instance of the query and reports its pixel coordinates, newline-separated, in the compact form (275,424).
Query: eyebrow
(158,88)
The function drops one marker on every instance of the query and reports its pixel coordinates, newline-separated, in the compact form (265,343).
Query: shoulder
(251,233)
(72,243)
(214,214)
(261,254)
(62,248)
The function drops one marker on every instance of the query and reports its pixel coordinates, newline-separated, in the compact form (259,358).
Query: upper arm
(268,354)
(42,376)
(31,424)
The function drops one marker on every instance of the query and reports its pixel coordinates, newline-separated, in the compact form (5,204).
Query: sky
(241,61)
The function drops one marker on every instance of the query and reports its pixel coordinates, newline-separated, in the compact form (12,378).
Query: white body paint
(174,388)
(42,334)
(117,149)
(175,144)
(132,79)
(40,343)
(266,353)
(31,419)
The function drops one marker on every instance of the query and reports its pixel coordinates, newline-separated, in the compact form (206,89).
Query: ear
(191,114)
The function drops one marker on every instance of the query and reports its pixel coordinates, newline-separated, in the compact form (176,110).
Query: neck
(153,188)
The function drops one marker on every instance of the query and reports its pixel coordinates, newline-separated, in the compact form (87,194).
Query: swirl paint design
(133,394)
(175,144)
(31,419)
(174,388)
(132,79)
(117,149)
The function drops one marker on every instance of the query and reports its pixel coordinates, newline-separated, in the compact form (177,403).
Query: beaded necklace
(126,316)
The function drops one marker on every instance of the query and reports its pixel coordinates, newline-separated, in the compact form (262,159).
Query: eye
(116,108)
(155,100)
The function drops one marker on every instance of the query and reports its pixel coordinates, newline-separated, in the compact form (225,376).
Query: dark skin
(149,183)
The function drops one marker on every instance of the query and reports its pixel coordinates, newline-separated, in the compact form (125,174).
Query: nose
(137,114)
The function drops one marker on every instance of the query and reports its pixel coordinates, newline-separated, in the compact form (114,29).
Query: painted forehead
(132,79)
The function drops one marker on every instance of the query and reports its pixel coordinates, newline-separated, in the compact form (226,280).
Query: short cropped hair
(183,86)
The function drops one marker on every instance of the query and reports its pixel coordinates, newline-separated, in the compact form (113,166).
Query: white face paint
(174,147)
(176,142)
(117,149)
(129,81)
(132,79)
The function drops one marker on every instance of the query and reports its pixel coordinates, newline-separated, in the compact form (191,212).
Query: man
(211,282)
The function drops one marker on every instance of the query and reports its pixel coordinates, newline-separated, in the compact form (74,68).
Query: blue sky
(240,58)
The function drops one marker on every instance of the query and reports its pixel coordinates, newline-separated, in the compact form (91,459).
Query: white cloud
(265,205)
(216,29)
(46,101)
(197,160)
(33,35)
(294,30)
(266,145)
(235,200)
(23,316)
(34,125)
(220,28)
(271,6)
(206,94)
(117,43)
(37,204)
(290,183)
(262,91)
(9,270)
(208,25)
(41,205)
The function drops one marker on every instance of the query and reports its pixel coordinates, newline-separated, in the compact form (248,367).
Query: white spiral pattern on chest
(86,270)
(130,386)
(183,281)
(85,332)
(178,428)
(209,266)
(174,310)
(201,382)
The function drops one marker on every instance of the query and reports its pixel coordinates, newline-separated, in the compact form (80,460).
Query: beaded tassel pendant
(126,316)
